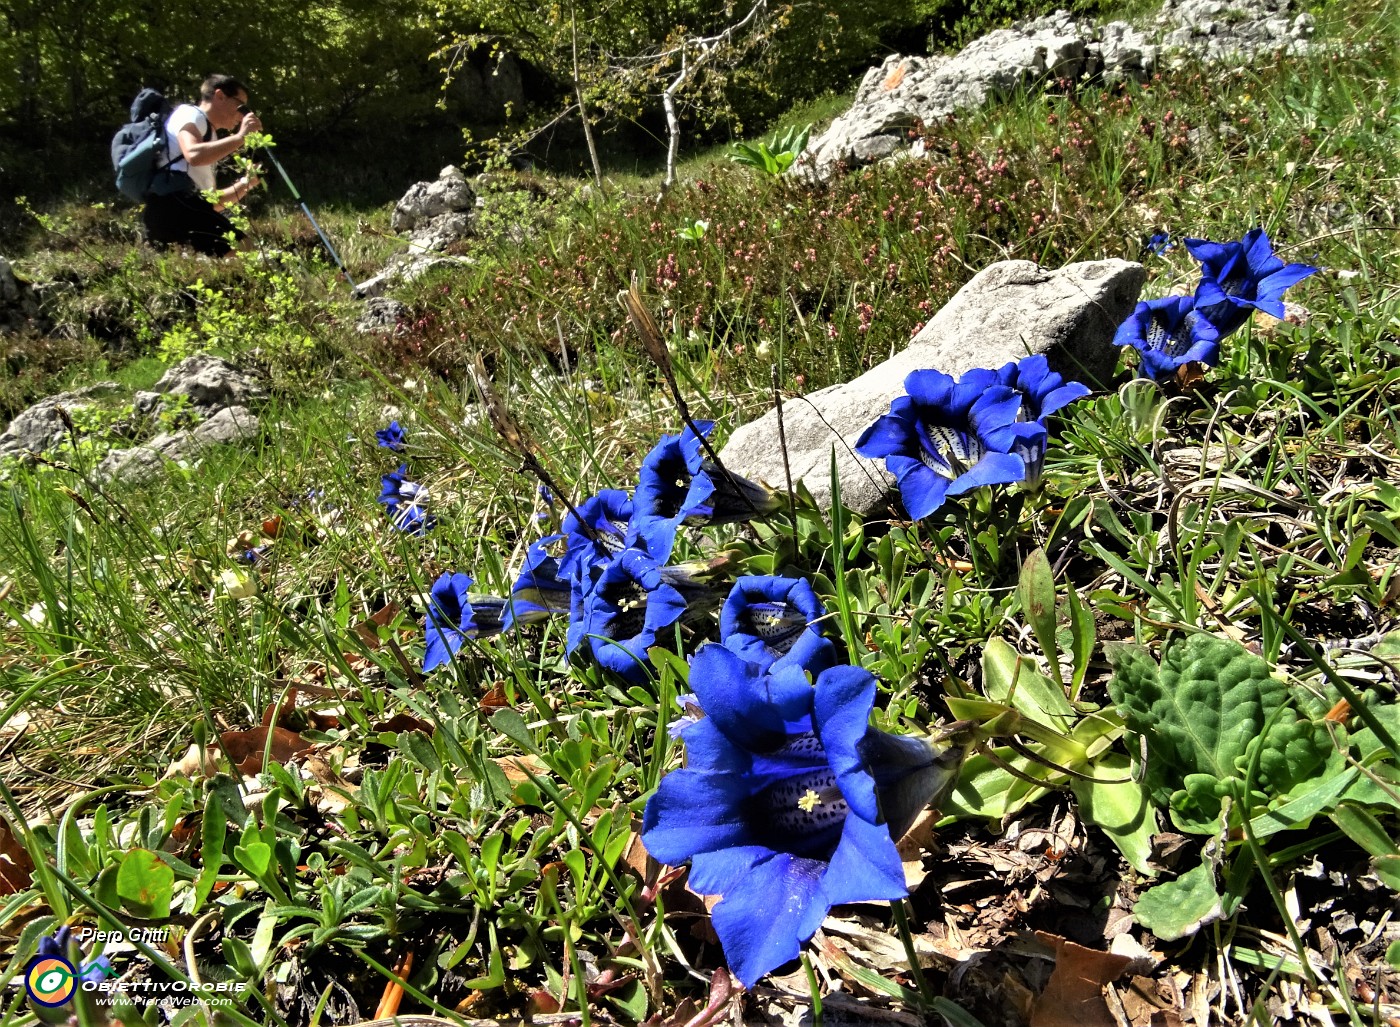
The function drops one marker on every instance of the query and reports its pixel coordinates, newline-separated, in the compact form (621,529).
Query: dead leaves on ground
(15,866)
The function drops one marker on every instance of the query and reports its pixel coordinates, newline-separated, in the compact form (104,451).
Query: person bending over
(176,211)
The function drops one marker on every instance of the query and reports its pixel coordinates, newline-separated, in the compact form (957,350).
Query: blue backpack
(138,148)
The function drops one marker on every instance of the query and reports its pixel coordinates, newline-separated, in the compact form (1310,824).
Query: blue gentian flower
(678,484)
(790,803)
(1156,245)
(1043,392)
(405,503)
(773,622)
(392,438)
(945,438)
(257,554)
(454,616)
(539,592)
(626,605)
(608,515)
(670,489)
(58,945)
(1238,278)
(1168,333)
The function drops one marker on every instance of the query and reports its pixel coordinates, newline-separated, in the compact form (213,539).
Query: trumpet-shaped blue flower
(1169,332)
(1043,392)
(454,616)
(1238,278)
(627,605)
(539,592)
(392,438)
(790,803)
(679,485)
(670,489)
(945,438)
(406,503)
(773,622)
(59,945)
(1155,245)
(596,534)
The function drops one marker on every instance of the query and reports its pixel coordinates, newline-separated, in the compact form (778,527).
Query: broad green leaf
(1036,590)
(1121,809)
(1011,678)
(1179,908)
(255,857)
(990,792)
(1202,713)
(145,884)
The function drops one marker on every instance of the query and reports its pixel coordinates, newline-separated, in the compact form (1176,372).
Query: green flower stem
(901,919)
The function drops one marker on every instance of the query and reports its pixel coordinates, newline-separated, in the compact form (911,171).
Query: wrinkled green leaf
(1179,908)
(1202,713)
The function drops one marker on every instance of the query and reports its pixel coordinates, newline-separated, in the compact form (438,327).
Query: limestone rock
(907,90)
(40,428)
(1009,310)
(140,462)
(210,382)
(436,234)
(404,268)
(381,316)
(451,193)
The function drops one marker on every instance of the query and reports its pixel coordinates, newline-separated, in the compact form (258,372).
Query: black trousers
(188,218)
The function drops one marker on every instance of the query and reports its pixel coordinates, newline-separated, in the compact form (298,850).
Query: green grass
(1255,506)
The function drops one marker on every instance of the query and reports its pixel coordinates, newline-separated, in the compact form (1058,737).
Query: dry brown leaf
(519,768)
(1074,996)
(1145,999)
(194,763)
(368,629)
(246,748)
(403,722)
(16,869)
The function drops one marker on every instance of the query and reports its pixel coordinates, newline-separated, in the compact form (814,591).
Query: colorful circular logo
(50,981)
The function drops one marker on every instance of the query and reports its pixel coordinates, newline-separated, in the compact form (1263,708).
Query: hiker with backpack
(168,160)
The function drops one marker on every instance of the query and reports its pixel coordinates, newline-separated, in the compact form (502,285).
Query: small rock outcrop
(42,427)
(210,382)
(140,462)
(1009,310)
(904,92)
(436,214)
(216,389)
(381,316)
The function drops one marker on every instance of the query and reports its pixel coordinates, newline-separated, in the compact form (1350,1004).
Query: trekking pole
(307,211)
(243,109)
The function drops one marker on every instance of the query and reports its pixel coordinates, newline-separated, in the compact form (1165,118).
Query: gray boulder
(1009,310)
(451,194)
(141,462)
(404,268)
(381,316)
(41,427)
(210,382)
(436,234)
(905,91)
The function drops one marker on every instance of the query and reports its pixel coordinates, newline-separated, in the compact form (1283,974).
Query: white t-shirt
(181,116)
